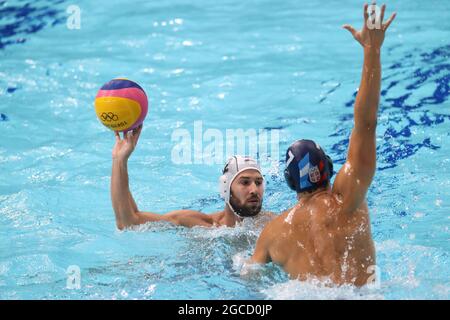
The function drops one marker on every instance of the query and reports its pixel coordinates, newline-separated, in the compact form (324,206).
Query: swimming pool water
(239,64)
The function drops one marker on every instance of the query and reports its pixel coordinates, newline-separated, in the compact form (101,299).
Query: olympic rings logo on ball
(121,105)
(109,116)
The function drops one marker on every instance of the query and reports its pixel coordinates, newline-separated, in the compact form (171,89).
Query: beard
(245,210)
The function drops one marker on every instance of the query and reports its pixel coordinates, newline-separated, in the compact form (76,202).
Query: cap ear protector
(223,183)
(292,183)
(289,180)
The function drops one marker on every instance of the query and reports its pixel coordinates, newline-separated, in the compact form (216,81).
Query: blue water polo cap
(307,166)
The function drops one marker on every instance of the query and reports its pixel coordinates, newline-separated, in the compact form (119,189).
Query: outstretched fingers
(127,136)
(366,14)
(383,8)
(388,23)
(136,133)
(138,129)
(350,29)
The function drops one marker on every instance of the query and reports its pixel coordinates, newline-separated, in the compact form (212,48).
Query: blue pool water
(266,65)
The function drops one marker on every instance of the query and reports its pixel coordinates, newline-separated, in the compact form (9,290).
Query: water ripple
(400,117)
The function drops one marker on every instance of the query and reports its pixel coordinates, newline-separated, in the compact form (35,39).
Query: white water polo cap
(235,165)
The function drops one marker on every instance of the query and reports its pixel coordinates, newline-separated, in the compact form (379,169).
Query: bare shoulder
(322,208)
(328,209)
(338,202)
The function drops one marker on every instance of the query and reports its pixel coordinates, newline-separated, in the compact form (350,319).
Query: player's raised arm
(355,177)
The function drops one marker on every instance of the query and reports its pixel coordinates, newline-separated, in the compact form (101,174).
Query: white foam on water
(248,226)
(239,260)
(315,289)
(150,290)
(153,226)
(407,266)
(242,266)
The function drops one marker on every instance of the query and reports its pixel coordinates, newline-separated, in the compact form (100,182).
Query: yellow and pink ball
(121,105)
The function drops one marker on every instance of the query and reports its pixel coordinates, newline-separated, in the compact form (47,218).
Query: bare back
(316,238)
(327,234)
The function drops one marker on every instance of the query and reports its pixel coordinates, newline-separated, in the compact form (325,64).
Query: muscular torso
(315,238)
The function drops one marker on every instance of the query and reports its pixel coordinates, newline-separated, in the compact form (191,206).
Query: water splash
(319,289)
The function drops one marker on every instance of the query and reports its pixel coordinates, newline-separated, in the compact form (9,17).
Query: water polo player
(241,186)
(327,233)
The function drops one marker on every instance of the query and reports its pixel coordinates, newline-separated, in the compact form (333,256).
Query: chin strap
(232,210)
(237,215)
